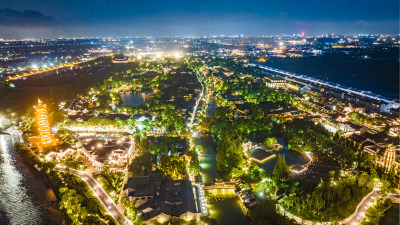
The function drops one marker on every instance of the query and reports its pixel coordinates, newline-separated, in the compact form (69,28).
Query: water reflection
(14,199)
(291,158)
(134,99)
(225,211)
(228,212)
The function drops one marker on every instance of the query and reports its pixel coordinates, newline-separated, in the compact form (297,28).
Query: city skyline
(47,19)
(199,112)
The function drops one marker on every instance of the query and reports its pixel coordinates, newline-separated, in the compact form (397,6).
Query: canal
(226,211)
(26,196)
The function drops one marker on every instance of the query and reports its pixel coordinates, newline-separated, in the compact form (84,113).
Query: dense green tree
(130,210)
(329,201)
(270,141)
(264,213)
(194,165)
(229,155)
(266,189)
(173,166)
(281,170)
(71,203)
(141,165)
(103,100)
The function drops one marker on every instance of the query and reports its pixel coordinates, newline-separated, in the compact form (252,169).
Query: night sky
(55,18)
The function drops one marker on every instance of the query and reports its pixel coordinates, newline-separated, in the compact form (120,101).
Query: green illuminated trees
(194,166)
(270,141)
(173,166)
(71,203)
(281,170)
(229,155)
(130,211)
(329,201)
(141,165)
(267,189)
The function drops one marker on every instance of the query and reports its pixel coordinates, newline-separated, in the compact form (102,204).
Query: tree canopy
(281,170)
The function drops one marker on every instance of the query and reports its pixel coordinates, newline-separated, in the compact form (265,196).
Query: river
(379,73)
(26,196)
(227,211)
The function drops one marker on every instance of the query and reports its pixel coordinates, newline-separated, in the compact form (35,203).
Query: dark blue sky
(53,18)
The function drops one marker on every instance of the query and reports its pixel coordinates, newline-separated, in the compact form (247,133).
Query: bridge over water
(220,188)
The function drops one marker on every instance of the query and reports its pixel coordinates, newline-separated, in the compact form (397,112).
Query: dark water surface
(392,216)
(227,211)
(291,158)
(25,196)
(378,74)
(134,99)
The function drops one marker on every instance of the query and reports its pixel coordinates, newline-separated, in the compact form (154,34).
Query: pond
(391,216)
(291,157)
(134,99)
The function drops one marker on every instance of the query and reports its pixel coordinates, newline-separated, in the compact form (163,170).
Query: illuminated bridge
(220,188)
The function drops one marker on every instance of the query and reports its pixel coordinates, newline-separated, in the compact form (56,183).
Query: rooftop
(143,186)
(176,198)
(102,150)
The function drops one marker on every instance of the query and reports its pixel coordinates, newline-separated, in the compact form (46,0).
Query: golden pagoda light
(43,125)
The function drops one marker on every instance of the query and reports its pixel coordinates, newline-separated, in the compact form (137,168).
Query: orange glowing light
(43,125)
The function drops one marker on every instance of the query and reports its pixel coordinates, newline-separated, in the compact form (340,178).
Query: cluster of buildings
(331,107)
(98,152)
(113,152)
(23,56)
(275,82)
(385,150)
(17,55)
(159,199)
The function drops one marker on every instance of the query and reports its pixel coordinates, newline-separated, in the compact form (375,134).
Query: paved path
(353,219)
(362,207)
(107,202)
(120,206)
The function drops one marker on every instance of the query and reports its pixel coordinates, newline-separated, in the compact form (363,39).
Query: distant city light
(177,55)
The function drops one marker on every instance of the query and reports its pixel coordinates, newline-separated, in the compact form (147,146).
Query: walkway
(353,219)
(362,207)
(107,202)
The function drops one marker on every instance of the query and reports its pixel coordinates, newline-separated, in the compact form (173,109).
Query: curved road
(353,219)
(107,202)
(359,215)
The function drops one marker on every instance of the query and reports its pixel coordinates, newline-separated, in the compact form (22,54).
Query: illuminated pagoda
(45,138)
